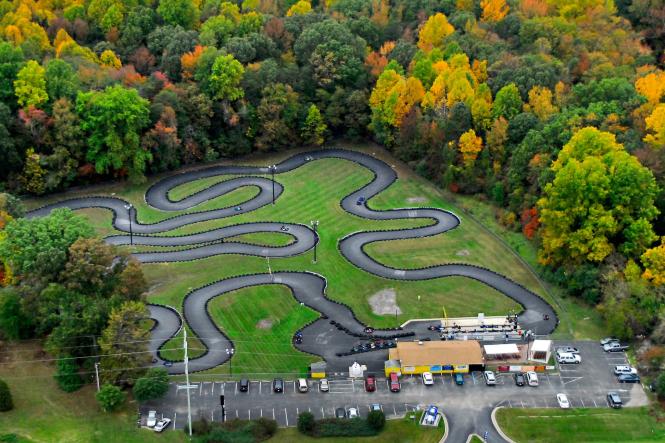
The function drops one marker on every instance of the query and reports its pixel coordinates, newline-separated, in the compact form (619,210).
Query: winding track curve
(308,288)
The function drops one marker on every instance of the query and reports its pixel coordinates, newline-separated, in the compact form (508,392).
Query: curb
(468,439)
(496,425)
(445,424)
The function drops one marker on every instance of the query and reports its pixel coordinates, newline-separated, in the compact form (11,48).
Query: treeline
(552,110)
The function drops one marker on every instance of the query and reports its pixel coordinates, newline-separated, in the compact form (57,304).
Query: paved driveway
(467,407)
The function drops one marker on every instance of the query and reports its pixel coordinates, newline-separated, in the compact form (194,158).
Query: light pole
(129,207)
(315,224)
(230,353)
(97,374)
(273,168)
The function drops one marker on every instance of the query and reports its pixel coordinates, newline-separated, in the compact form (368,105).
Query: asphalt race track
(308,288)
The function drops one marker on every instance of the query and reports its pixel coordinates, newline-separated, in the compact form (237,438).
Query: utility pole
(129,207)
(272,170)
(315,224)
(189,404)
(97,374)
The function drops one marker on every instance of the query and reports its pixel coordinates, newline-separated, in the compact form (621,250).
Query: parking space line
(249,414)
(297,411)
(286,415)
(212,415)
(594,403)
(212,392)
(582,400)
(394,410)
(273,413)
(236,389)
(260,384)
(261,412)
(510,404)
(175,416)
(323,414)
(201,388)
(522,403)
(237,416)
(223,388)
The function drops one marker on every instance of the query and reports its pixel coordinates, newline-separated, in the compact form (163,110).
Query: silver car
(162,424)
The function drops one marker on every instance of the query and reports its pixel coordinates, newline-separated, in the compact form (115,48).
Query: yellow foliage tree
(470,146)
(108,58)
(434,31)
(300,8)
(654,264)
(656,126)
(540,103)
(409,93)
(651,86)
(60,38)
(493,10)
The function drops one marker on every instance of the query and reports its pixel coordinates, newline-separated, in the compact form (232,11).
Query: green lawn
(580,425)
(313,192)
(476,439)
(44,414)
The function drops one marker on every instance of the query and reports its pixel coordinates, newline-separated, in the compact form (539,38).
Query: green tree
(11,59)
(278,115)
(67,375)
(306,422)
(178,12)
(38,247)
(32,176)
(155,384)
(30,85)
(14,323)
(113,119)
(376,420)
(507,103)
(314,128)
(601,198)
(110,397)
(225,77)
(124,343)
(89,268)
(6,402)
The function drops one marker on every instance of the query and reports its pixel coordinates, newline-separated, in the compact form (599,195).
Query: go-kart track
(307,287)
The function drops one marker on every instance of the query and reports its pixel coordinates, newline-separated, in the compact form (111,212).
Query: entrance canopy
(503,349)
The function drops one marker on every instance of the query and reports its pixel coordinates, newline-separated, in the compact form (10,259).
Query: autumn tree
(278,116)
(540,103)
(314,128)
(301,7)
(493,10)
(601,199)
(434,32)
(469,146)
(113,119)
(654,264)
(30,85)
(225,77)
(656,128)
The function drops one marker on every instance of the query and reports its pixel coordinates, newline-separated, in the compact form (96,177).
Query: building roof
(541,345)
(508,348)
(427,353)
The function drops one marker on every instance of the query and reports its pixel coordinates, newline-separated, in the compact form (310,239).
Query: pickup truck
(614,347)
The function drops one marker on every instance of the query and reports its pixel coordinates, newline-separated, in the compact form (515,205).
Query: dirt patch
(463,253)
(384,302)
(266,323)
(416,200)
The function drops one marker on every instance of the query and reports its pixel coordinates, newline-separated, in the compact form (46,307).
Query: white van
(302,385)
(532,378)
(568,357)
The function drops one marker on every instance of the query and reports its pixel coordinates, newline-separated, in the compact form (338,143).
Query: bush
(200,427)
(264,428)
(306,422)
(6,402)
(376,420)
(332,427)
(67,375)
(233,431)
(110,397)
(660,385)
(155,384)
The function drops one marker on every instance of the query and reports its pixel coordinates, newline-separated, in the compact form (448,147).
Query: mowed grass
(313,192)
(581,425)
(44,414)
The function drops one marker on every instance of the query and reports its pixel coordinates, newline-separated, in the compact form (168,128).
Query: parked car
(353,413)
(624,369)
(607,340)
(340,413)
(152,419)
(614,400)
(428,380)
(614,346)
(244,385)
(519,379)
(459,379)
(162,424)
(370,383)
(629,378)
(568,349)
(394,382)
(532,378)
(375,407)
(324,386)
(490,379)
(429,418)
(562,399)
(278,385)
(567,357)
(302,385)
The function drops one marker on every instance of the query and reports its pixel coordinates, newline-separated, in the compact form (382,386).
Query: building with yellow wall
(437,357)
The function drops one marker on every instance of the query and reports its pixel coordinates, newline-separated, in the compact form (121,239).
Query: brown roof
(428,353)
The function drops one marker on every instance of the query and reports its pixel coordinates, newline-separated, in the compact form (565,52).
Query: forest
(552,110)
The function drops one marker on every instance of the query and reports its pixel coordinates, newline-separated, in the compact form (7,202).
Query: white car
(624,369)
(532,378)
(353,413)
(428,380)
(562,399)
(324,386)
(490,379)
(162,424)
(567,357)
(152,419)
(607,340)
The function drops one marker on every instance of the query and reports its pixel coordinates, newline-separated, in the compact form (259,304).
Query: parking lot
(586,385)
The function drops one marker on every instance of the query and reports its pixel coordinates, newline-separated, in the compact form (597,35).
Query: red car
(394,382)
(370,383)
